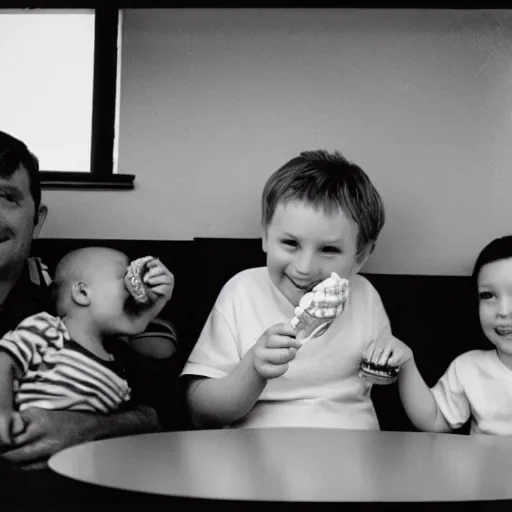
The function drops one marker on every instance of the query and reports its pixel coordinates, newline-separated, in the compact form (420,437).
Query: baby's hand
(158,279)
(11,425)
(390,351)
(274,350)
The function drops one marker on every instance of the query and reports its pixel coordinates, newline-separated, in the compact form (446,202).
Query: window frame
(101,174)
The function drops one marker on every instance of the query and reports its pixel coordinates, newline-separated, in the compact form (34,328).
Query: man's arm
(7,374)
(47,432)
(8,371)
(151,379)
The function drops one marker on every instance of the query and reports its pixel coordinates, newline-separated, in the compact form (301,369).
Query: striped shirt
(58,373)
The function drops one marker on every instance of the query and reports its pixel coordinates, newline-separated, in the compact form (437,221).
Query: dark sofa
(435,315)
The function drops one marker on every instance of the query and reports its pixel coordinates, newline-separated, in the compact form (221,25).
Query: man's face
(17,220)
(304,245)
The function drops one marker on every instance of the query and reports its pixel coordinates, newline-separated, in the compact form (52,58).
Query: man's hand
(47,432)
(274,350)
(158,279)
(11,424)
(388,351)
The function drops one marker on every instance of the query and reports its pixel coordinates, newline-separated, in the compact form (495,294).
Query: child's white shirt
(477,385)
(322,387)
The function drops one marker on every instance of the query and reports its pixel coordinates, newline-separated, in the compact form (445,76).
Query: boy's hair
(15,154)
(328,180)
(498,249)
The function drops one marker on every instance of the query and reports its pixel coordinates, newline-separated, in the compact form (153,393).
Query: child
(320,214)
(61,362)
(478,384)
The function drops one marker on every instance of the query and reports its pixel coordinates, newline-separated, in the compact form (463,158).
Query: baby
(62,362)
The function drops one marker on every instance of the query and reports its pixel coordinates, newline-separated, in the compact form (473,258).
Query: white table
(298,465)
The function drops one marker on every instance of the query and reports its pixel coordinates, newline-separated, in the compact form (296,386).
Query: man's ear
(80,294)
(362,258)
(41,218)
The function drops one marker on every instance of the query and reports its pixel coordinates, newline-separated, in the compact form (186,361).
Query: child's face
(304,245)
(495,303)
(109,293)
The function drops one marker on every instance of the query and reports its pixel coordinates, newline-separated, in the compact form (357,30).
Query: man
(23,292)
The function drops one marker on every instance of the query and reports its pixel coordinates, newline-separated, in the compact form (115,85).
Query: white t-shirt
(477,385)
(322,387)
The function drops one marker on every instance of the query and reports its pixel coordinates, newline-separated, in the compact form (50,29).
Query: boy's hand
(11,425)
(158,279)
(390,351)
(274,350)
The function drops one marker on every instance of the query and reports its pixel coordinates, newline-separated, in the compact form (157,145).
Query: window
(58,92)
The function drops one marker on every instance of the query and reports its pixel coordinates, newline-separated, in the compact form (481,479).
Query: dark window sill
(85,181)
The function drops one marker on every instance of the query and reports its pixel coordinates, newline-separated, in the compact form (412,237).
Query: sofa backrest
(435,315)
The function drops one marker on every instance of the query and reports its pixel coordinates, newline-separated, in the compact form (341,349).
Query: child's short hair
(328,180)
(498,249)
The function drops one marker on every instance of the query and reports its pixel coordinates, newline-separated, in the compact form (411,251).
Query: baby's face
(304,245)
(495,303)
(109,293)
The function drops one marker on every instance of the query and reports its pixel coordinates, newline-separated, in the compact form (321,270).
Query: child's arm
(219,402)
(417,398)
(222,401)
(160,284)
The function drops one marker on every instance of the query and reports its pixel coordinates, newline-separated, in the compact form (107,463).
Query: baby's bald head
(86,265)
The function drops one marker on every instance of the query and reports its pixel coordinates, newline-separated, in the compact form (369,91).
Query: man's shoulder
(38,272)
(29,295)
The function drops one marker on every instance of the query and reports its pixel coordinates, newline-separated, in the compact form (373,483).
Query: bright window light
(46,85)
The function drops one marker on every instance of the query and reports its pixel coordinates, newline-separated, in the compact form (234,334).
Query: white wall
(212,101)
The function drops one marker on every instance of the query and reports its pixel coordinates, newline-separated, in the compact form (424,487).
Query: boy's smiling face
(305,244)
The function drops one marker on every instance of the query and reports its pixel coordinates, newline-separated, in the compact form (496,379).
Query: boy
(63,362)
(320,214)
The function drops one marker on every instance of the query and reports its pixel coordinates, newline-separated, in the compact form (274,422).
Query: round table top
(296,464)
